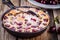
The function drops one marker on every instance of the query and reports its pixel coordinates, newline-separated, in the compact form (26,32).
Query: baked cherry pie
(26,20)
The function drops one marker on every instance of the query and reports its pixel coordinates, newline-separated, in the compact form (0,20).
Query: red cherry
(37,0)
(13,29)
(23,17)
(19,23)
(41,1)
(34,26)
(26,20)
(10,14)
(44,2)
(46,20)
(44,24)
(28,28)
(39,22)
(5,17)
(33,19)
(19,27)
(34,30)
(50,2)
(58,30)
(19,30)
(43,14)
(41,28)
(7,25)
(52,29)
(54,2)
(28,24)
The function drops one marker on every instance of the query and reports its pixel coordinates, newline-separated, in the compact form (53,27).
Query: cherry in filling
(46,20)
(33,19)
(13,29)
(33,30)
(19,30)
(19,23)
(7,25)
(19,27)
(39,22)
(23,17)
(44,24)
(34,26)
(41,28)
(10,14)
(26,20)
(27,29)
(43,14)
(5,17)
(28,24)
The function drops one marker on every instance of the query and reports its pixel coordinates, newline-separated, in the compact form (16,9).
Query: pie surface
(25,20)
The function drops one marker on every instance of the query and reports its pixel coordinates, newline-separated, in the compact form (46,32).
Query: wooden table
(4,35)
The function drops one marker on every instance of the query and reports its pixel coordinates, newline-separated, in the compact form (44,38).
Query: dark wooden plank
(26,3)
(4,34)
(57,13)
(53,36)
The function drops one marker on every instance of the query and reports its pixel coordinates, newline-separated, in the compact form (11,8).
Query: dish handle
(8,3)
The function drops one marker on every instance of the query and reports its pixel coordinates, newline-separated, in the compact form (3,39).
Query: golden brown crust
(18,15)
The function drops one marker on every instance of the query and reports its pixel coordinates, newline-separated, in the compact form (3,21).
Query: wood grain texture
(26,3)
(4,35)
(57,13)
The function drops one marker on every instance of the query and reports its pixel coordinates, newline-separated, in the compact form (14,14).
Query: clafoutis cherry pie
(26,20)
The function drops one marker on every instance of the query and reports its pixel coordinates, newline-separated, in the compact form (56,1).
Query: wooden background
(4,35)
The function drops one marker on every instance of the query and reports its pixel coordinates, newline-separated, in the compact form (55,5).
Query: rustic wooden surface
(4,35)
